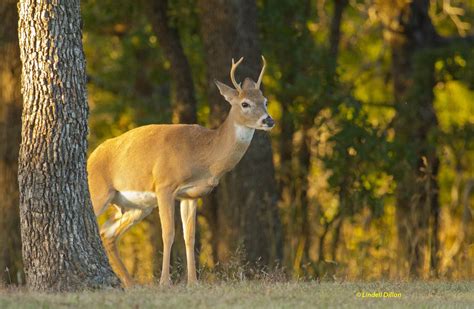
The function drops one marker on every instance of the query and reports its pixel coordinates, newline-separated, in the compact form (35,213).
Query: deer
(152,166)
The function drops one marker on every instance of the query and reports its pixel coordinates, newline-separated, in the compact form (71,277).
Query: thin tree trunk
(10,131)
(184,98)
(286,185)
(415,123)
(61,245)
(335,238)
(301,194)
(334,42)
(435,223)
(286,148)
(245,209)
(335,33)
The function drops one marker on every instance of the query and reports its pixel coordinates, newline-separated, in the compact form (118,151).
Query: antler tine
(232,74)
(261,73)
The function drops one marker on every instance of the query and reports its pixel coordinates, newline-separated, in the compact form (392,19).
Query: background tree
(415,125)
(242,212)
(61,245)
(184,98)
(10,130)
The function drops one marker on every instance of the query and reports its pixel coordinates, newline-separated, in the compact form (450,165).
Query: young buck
(153,165)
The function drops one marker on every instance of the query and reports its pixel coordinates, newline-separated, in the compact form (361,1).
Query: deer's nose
(269,121)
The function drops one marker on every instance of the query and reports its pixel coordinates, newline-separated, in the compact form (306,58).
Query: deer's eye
(245,105)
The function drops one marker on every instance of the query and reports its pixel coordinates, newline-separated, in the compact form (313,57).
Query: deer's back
(151,155)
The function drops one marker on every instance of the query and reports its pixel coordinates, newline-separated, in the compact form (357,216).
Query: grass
(257,294)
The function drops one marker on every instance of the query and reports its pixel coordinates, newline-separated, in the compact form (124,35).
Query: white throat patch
(243,134)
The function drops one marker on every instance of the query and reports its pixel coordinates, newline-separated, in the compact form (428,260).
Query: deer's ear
(249,84)
(227,92)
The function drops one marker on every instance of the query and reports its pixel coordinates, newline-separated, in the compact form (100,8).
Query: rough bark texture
(61,245)
(242,211)
(10,128)
(415,126)
(184,99)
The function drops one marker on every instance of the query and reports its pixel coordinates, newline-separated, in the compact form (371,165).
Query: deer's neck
(231,143)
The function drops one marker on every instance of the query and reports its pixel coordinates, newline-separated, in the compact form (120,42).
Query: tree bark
(243,211)
(184,98)
(415,125)
(10,131)
(61,245)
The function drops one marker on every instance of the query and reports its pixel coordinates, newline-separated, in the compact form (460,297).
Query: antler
(232,72)
(261,73)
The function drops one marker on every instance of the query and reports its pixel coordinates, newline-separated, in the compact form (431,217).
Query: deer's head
(249,106)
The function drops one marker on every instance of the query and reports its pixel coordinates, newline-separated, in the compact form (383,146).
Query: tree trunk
(302,203)
(335,33)
(244,212)
(415,125)
(184,99)
(61,245)
(10,131)
(334,42)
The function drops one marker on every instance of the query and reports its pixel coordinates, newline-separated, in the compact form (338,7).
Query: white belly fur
(146,200)
(135,199)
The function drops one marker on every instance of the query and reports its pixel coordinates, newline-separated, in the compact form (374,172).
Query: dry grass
(256,294)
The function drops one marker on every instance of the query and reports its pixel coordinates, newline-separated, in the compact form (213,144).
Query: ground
(258,294)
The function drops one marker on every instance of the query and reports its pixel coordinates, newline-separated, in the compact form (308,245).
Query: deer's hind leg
(112,230)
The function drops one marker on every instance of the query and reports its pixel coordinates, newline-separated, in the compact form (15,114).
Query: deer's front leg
(166,209)
(188,217)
